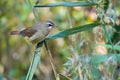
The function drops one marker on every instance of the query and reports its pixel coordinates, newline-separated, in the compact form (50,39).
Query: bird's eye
(50,25)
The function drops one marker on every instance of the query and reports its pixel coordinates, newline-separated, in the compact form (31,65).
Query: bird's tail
(15,32)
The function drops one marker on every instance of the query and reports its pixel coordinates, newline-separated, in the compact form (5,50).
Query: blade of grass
(109,46)
(35,61)
(71,4)
(29,3)
(103,58)
(74,30)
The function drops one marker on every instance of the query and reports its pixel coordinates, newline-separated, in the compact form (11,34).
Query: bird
(37,32)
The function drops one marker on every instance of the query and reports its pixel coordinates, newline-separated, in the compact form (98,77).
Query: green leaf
(106,33)
(106,4)
(95,73)
(72,4)
(35,61)
(74,30)
(116,47)
(103,58)
(29,3)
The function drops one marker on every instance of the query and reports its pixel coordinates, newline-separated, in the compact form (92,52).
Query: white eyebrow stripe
(50,23)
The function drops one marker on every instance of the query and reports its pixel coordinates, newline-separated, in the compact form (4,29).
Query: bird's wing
(37,37)
(28,32)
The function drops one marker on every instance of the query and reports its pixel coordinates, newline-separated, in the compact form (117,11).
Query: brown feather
(15,33)
(28,32)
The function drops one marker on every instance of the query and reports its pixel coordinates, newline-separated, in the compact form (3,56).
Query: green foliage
(74,30)
(35,62)
(116,47)
(83,61)
(71,4)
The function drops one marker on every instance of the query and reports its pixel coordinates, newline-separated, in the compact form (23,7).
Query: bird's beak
(55,26)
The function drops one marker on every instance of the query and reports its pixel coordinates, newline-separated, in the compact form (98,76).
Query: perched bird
(37,32)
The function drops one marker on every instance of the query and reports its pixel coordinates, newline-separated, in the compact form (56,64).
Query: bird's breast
(39,36)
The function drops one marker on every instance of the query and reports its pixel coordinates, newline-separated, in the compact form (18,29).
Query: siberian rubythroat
(37,32)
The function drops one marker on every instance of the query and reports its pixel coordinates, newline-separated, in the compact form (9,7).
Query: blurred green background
(16,52)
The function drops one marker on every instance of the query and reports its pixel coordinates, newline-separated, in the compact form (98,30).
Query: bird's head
(50,24)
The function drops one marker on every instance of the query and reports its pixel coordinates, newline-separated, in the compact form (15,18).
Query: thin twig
(65,76)
(51,61)
(80,72)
